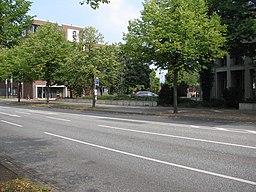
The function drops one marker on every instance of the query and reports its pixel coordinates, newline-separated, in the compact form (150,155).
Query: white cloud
(114,17)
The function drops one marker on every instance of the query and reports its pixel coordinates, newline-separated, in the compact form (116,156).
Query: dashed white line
(178,137)
(155,160)
(221,129)
(59,119)
(25,113)
(167,124)
(8,114)
(194,126)
(254,132)
(17,125)
(42,112)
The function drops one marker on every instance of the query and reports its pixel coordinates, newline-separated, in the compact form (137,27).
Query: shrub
(232,97)
(165,95)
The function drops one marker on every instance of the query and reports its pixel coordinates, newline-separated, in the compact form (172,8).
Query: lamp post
(11,86)
(6,88)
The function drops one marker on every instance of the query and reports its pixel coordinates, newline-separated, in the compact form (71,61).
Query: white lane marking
(25,113)
(60,119)
(155,160)
(254,132)
(11,123)
(149,122)
(42,112)
(194,126)
(1,107)
(8,114)
(221,129)
(179,137)
(166,124)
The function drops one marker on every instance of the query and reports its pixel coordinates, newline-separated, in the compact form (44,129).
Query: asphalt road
(97,152)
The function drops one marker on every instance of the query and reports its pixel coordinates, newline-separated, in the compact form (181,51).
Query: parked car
(145,94)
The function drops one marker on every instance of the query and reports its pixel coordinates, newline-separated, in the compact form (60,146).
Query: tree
(90,59)
(5,64)
(136,74)
(240,18)
(94,3)
(16,63)
(176,35)
(13,21)
(48,49)
(154,82)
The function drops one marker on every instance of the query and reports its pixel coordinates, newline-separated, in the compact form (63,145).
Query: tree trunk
(71,94)
(175,94)
(19,91)
(47,93)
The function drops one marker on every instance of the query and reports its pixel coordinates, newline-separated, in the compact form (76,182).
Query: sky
(110,19)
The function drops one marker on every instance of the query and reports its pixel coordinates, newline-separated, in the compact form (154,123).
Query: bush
(214,103)
(165,95)
(251,100)
(232,97)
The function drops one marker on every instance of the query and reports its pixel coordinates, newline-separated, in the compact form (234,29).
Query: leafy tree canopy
(94,3)
(13,20)
(176,35)
(48,49)
(240,18)
(91,58)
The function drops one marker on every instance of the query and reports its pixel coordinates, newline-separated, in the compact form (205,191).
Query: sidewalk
(192,113)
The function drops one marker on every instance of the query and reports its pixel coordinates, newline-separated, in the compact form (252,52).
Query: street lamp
(6,88)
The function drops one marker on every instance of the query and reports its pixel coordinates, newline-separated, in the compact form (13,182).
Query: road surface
(97,152)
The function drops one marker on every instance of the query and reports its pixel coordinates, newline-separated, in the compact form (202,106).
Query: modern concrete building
(36,89)
(236,72)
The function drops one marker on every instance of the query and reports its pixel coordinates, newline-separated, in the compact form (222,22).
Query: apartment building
(236,72)
(37,89)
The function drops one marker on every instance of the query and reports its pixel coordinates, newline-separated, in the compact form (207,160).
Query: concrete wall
(112,102)
(247,106)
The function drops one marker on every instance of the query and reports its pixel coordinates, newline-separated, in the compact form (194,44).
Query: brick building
(36,89)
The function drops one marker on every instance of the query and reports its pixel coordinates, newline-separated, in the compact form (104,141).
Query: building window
(223,61)
(74,35)
(34,28)
(237,60)
(24,33)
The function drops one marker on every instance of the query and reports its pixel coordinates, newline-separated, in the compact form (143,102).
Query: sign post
(96,83)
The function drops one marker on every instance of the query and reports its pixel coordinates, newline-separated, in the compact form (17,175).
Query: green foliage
(94,3)
(90,58)
(23,185)
(136,75)
(240,18)
(5,65)
(189,78)
(154,82)
(176,35)
(165,95)
(13,20)
(47,49)
(16,62)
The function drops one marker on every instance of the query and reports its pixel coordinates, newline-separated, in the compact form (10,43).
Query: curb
(16,169)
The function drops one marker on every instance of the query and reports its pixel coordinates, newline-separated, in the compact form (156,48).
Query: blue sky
(110,19)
